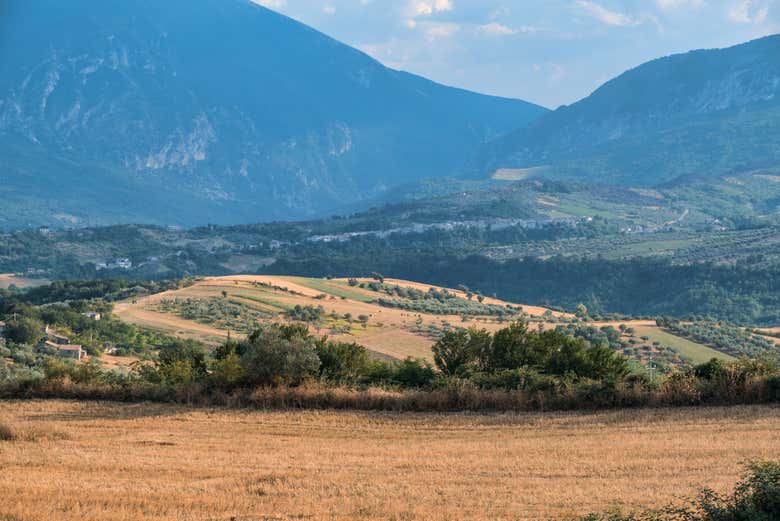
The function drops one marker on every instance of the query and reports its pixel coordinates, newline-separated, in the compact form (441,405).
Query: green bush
(457,352)
(755,498)
(414,373)
(343,363)
(279,355)
(24,330)
(178,363)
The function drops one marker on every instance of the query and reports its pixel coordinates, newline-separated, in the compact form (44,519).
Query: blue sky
(550,52)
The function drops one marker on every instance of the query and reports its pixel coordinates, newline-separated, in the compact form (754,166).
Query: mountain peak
(222,110)
(681,115)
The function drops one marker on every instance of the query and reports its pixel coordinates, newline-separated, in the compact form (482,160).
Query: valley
(256,266)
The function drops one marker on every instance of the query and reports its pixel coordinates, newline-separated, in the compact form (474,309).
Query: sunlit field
(75,461)
(388,332)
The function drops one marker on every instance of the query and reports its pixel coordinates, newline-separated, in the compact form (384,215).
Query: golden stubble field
(100,461)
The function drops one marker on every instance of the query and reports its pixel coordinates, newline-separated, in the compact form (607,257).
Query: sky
(551,52)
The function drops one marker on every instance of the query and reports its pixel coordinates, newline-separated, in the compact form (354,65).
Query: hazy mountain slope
(221,109)
(707,112)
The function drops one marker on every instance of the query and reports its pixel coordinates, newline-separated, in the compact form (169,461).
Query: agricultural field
(759,246)
(8,280)
(61,460)
(212,307)
(394,319)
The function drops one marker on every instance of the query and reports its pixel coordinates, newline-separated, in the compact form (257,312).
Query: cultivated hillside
(394,319)
(704,113)
(196,111)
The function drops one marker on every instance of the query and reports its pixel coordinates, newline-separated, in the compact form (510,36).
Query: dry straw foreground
(129,462)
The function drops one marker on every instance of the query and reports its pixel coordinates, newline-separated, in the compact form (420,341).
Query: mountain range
(702,114)
(195,111)
(222,111)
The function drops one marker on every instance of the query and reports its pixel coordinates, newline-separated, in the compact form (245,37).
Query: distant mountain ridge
(195,111)
(703,113)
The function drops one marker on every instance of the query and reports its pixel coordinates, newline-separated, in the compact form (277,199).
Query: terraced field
(350,310)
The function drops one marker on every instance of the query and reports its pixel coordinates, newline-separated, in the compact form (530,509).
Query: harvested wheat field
(97,461)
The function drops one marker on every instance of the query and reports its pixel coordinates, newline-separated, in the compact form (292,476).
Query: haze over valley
(252,271)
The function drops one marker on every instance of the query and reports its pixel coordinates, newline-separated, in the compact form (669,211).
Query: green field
(333,287)
(692,351)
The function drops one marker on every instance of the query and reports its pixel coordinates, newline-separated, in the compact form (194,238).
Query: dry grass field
(9,279)
(110,462)
(391,332)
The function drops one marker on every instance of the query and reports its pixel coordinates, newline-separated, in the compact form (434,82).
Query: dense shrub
(755,498)
(279,355)
(414,373)
(457,352)
(343,363)
(24,330)
(516,347)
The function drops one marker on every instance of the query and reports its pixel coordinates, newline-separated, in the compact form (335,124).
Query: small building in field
(54,337)
(71,351)
(75,352)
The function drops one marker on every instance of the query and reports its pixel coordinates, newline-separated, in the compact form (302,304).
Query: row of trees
(466,352)
(288,355)
(282,355)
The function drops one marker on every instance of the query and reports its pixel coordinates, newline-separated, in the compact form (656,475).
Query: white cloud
(328,9)
(434,31)
(746,12)
(443,5)
(272,4)
(604,15)
(557,73)
(740,12)
(496,29)
(500,12)
(672,5)
(428,7)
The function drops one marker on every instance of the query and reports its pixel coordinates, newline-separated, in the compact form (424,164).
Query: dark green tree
(279,355)
(341,362)
(24,330)
(457,352)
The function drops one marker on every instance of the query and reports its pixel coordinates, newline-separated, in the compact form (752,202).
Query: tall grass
(732,385)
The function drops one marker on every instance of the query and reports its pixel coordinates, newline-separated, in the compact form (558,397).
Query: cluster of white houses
(496,224)
(121,264)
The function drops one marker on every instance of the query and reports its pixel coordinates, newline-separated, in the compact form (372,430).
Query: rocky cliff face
(190,111)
